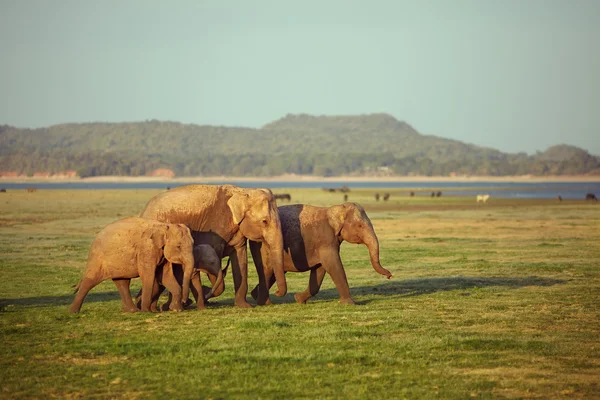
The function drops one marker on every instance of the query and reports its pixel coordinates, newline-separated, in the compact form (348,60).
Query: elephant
(233,215)
(312,237)
(134,247)
(205,260)
(283,196)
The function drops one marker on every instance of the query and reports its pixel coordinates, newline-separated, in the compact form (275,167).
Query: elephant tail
(76,287)
(226,266)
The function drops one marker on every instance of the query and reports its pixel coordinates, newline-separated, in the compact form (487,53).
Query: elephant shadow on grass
(424,286)
(403,288)
(64,300)
(100,297)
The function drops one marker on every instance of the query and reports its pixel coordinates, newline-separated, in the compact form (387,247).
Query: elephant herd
(191,228)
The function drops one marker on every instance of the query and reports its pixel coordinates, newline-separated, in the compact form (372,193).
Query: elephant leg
(335,269)
(147,289)
(195,287)
(314,284)
(126,301)
(260,293)
(157,290)
(265,276)
(85,286)
(239,266)
(200,299)
(174,287)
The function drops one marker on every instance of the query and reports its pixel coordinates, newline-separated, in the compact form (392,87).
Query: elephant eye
(265,222)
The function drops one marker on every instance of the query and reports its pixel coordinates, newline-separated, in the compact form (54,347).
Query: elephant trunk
(188,269)
(218,287)
(275,251)
(372,244)
(217,284)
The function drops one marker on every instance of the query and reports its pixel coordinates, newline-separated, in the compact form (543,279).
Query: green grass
(487,301)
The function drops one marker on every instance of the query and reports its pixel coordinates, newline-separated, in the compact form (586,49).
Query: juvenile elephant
(233,214)
(312,237)
(205,260)
(134,247)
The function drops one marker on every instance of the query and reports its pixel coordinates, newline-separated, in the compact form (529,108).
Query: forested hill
(375,144)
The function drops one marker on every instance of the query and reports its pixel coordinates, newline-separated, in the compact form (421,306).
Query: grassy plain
(487,301)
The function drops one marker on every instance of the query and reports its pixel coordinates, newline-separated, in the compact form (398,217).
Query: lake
(532,190)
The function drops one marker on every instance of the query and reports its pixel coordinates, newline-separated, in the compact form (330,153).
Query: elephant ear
(238,204)
(159,237)
(336,215)
(185,231)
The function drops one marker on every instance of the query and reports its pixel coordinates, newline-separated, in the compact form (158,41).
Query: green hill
(375,144)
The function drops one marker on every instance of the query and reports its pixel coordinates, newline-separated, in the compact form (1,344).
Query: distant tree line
(376,144)
(127,164)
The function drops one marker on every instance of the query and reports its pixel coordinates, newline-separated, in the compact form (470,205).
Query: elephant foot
(263,302)
(254,293)
(300,298)
(201,307)
(347,301)
(188,302)
(243,304)
(130,309)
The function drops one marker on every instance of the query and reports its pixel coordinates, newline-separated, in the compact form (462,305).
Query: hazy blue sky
(513,75)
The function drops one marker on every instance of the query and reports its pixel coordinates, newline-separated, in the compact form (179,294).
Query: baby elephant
(205,260)
(134,247)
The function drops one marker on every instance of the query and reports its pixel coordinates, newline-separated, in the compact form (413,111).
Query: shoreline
(309,178)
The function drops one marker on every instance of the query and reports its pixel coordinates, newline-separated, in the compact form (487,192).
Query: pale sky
(516,75)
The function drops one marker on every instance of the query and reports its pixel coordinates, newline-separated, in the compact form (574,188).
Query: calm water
(547,190)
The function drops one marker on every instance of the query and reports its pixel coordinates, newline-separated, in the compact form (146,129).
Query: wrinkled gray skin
(234,215)
(133,247)
(205,260)
(312,237)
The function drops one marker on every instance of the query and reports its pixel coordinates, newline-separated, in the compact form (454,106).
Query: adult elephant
(312,237)
(234,215)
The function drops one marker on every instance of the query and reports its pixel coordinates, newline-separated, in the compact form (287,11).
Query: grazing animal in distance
(412,194)
(438,194)
(345,197)
(483,198)
(432,194)
(591,196)
(559,198)
(2,190)
(376,196)
(386,197)
(31,189)
(283,196)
